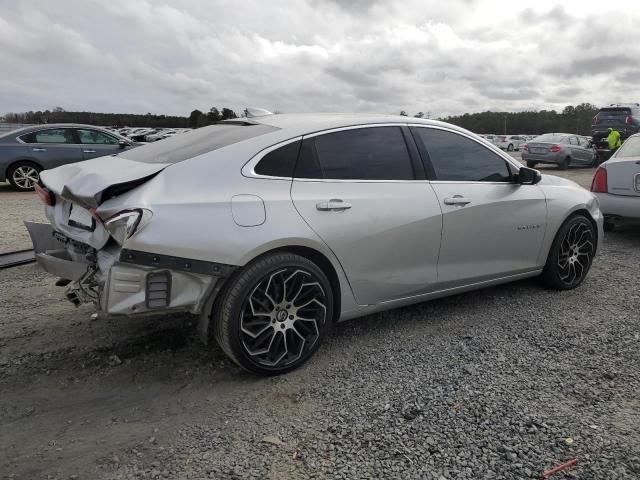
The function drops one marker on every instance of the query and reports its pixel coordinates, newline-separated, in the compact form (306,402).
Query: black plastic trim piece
(175,263)
(158,289)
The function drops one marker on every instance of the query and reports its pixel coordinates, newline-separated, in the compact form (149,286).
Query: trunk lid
(623,176)
(89,183)
(538,148)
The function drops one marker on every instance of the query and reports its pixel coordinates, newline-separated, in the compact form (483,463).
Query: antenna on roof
(252,112)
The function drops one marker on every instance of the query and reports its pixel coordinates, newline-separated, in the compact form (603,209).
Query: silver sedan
(562,149)
(272,229)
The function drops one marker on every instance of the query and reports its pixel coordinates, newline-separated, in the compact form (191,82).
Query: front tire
(23,176)
(274,314)
(510,148)
(571,254)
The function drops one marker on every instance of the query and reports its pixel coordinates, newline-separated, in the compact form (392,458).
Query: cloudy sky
(442,57)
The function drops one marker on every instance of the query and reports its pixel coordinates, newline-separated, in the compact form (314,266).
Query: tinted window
(95,137)
(375,153)
(459,158)
(54,135)
(280,162)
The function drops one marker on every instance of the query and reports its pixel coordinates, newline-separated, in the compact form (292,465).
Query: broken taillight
(46,195)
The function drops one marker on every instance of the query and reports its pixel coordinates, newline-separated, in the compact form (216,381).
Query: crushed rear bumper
(125,282)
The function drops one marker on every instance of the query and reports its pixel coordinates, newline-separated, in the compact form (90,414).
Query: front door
(357,189)
(491,227)
(96,143)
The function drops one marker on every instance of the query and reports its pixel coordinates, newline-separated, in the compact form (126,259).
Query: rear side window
(54,135)
(630,148)
(373,153)
(458,158)
(280,162)
(573,140)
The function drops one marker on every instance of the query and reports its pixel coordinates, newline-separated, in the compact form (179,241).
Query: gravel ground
(504,382)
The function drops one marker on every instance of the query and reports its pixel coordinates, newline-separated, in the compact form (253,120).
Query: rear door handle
(456,200)
(333,204)
(88,151)
(39,149)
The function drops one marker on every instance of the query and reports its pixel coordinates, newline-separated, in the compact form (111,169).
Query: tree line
(572,119)
(195,119)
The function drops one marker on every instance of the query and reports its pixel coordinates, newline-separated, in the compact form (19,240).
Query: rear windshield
(614,112)
(196,142)
(549,138)
(630,148)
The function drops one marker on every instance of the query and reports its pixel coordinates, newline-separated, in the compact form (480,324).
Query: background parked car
(562,149)
(617,184)
(623,117)
(509,142)
(25,152)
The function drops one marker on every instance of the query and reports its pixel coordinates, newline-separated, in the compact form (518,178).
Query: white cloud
(315,55)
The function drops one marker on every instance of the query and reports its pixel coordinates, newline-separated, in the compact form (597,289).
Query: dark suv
(623,117)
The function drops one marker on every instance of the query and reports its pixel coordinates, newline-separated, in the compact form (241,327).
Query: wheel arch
(22,160)
(335,275)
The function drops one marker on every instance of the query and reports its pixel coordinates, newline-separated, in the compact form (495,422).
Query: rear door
(492,227)
(52,147)
(96,143)
(578,154)
(362,190)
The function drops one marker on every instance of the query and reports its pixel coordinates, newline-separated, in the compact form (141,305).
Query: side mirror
(124,144)
(528,176)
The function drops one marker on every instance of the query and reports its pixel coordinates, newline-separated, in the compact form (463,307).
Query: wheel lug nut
(290,317)
(282,325)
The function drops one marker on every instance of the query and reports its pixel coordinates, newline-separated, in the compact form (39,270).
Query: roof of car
(309,122)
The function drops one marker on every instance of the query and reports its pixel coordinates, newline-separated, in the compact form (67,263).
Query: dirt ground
(142,398)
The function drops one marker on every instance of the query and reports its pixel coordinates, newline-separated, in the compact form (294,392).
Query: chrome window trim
(636,182)
(19,138)
(489,146)
(248,170)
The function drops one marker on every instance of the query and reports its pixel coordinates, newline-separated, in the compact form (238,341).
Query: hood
(91,182)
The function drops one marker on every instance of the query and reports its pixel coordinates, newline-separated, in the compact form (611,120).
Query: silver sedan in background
(617,184)
(562,149)
(274,228)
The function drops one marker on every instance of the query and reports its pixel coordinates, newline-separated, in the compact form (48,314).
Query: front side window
(96,137)
(458,158)
(372,153)
(54,135)
(279,162)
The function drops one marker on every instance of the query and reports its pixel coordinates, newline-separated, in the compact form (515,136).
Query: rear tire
(564,163)
(571,254)
(24,175)
(531,164)
(274,313)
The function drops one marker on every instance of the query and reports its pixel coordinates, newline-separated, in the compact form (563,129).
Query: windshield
(549,138)
(181,147)
(630,148)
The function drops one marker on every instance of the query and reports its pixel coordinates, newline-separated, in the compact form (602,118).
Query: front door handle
(333,204)
(39,149)
(89,151)
(456,200)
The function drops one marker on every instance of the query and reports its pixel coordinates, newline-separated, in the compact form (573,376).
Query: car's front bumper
(121,282)
(625,206)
